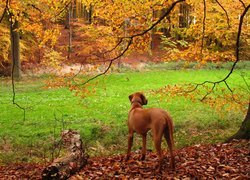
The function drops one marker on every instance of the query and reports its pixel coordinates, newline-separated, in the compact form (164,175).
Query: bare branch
(111,62)
(209,92)
(247,85)
(234,64)
(116,46)
(228,87)
(35,7)
(243,4)
(149,29)
(228,22)
(130,40)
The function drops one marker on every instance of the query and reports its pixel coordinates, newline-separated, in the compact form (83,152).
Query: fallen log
(63,168)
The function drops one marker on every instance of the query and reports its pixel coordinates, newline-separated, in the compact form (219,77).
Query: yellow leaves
(193,53)
(48,37)
(4,43)
(52,58)
(76,84)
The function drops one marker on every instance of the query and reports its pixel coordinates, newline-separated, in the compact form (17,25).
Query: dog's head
(138,97)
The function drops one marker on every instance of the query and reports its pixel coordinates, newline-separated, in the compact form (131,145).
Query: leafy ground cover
(218,161)
(101,116)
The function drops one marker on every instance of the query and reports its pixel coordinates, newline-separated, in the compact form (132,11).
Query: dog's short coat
(142,120)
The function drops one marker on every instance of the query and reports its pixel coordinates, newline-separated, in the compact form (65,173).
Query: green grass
(101,117)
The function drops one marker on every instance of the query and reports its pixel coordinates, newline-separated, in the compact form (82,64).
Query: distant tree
(15,48)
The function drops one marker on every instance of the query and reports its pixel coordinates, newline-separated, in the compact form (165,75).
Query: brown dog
(142,120)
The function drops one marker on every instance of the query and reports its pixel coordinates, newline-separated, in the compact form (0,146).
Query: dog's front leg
(144,142)
(130,143)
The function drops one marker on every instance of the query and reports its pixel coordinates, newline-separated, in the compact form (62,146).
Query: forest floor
(218,161)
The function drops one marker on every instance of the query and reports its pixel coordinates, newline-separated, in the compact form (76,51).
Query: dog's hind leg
(130,143)
(144,142)
(157,136)
(168,134)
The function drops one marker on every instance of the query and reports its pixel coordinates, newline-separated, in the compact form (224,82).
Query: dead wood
(63,168)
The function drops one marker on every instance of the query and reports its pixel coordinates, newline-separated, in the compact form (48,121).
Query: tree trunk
(244,131)
(151,36)
(70,12)
(66,26)
(63,168)
(15,49)
(90,14)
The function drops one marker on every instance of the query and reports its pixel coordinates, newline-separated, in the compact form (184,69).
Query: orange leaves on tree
(218,98)
(74,84)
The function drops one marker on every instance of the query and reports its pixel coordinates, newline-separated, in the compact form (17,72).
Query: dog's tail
(168,134)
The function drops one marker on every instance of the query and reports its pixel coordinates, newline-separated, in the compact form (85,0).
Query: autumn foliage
(55,33)
(99,29)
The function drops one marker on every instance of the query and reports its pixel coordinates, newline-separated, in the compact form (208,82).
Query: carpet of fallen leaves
(21,171)
(219,161)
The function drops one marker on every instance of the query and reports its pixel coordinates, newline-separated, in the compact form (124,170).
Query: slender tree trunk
(15,49)
(70,12)
(66,26)
(90,14)
(151,34)
(244,131)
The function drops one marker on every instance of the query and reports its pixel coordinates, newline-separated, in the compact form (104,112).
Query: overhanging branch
(237,52)
(130,40)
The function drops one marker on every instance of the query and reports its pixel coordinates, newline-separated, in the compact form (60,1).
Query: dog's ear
(144,100)
(130,97)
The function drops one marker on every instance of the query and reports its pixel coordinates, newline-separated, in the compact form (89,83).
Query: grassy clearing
(101,117)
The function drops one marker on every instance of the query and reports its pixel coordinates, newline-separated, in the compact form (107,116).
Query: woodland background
(72,64)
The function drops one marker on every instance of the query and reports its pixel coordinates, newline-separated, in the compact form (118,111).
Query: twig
(248,86)
(228,22)
(35,7)
(243,4)
(209,92)
(110,63)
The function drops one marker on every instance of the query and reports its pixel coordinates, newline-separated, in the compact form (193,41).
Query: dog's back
(145,119)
